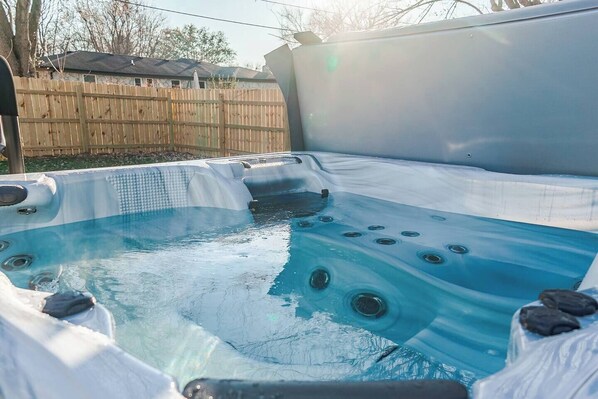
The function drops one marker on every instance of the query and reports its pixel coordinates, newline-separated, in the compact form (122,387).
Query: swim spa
(403,238)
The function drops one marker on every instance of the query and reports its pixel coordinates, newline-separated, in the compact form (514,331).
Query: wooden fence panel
(256,121)
(62,117)
(49,117)
(196,121)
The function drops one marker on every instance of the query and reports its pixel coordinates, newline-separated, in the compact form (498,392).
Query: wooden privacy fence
(62,117)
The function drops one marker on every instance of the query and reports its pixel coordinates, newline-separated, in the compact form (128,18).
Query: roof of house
(115,64)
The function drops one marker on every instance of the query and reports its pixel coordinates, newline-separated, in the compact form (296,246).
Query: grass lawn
(85,161)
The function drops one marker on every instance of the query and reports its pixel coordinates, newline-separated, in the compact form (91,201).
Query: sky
(250,43)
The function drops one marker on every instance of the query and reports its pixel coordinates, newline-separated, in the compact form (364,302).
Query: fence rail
(62,117)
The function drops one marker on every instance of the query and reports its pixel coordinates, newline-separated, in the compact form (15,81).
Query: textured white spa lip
(43,357)
(559,201)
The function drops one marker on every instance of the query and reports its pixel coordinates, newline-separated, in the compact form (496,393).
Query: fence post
(170,121)
(222,125)
(82,119)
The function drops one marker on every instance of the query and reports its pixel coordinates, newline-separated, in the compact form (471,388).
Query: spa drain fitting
(17,262)
(352,234)
(369,305)
(386,241)
(319,279)
(458,249)
(433,258)
(41,279)
(410,233)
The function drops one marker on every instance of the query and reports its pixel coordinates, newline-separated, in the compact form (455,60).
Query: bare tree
(19,21)
(118,27)
(341,16)
(499,5)
(417,11)
(57,27)
(380,14)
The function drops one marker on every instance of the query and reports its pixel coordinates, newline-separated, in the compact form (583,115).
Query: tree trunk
(34,17)
(22,43)
(19,47)
(7,41)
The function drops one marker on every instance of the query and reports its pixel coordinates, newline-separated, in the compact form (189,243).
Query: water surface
(272,295)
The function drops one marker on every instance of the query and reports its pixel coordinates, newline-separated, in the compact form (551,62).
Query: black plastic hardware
(410,233)
(433,258)
(253,205)
(12,195)
(319,279)
(419,389)
(369,305)
(352,234)
(10,138)
(17,262)
(458,249)
(29,210)
(63,304)
(546,321)
(40,279)
(571,302)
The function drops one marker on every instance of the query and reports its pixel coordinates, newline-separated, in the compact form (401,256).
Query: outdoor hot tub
(402,239)
(303,266)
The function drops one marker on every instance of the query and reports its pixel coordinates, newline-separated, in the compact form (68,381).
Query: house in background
(92,67)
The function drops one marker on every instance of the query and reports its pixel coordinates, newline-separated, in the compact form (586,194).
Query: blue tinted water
(217,293)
